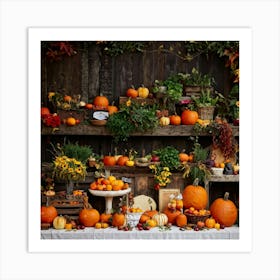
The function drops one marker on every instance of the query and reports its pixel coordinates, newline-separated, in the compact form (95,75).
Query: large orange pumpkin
(48,213)
(224,211)
(195,196)
(189,117)
(118,220)
(89,217)
(171,215)
(101,102)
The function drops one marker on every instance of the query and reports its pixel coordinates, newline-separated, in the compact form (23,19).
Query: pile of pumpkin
(109,184)
(194,200)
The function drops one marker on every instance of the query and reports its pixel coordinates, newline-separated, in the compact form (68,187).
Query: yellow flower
(51,95)
(237,103)
(128,102)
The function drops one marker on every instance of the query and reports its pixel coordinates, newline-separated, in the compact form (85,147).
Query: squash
(48,213)
(183,157)
(224,211)
(106,218)
(189,117)
(59,222)
(122,160)
(151,223)
(161,219)
(195,196)
(89,217)
(143,92)
(144,218)
(163,121)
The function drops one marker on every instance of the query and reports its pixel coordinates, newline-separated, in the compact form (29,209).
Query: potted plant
(194,82)
(205,104)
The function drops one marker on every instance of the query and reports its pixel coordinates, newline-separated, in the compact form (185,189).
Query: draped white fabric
(154,233)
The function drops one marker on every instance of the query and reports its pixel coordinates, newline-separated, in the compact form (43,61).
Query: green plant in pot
(205,103)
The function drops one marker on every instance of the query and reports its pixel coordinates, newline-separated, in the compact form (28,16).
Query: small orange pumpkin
(45,111)
(195,196)
(106,218)
(132,92)
(118,220)
(122,160)
(224,211)
(189,117)
(181,220)
(112,109)
(175,120)
(89,217)
(144,218)
(109,160)
(101,102)
(171,215)
(210,222)
(183,157)
(48,213)
(151,213)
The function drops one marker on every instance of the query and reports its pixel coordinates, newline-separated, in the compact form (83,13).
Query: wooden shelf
(170,130)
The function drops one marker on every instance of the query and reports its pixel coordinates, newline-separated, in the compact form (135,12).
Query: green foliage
(81,153)
(133,118)
(195,78)
(206,99)
(115,48)
(200,154)
(169,157)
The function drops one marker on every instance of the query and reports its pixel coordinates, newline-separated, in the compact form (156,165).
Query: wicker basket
(206,113)
(193,219)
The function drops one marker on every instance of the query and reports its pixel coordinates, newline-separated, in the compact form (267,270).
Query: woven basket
(206,113)
(193,219)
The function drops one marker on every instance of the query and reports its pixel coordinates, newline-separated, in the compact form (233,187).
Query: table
(109,195)
(154,233)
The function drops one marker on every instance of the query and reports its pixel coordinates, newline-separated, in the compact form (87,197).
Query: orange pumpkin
(101,102)
(112,109)
(89,106)
(122,160)
(144,218)
(210,222)
(105,218)
(151,213)
(48,213)
(189,117)
(183,157)
(171,215)
(132,92)
(195,196)
(181,220)
(109,160)
(67,98)
(45,111)
(89,217)
(175,120)
(118,220)
(224,211)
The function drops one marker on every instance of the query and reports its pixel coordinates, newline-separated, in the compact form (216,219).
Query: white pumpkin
(163,121)
(59,222)
(161,219)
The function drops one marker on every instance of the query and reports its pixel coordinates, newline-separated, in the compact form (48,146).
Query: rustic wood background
(90,73)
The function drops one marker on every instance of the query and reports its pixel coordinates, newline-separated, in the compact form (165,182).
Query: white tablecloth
(154,233)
